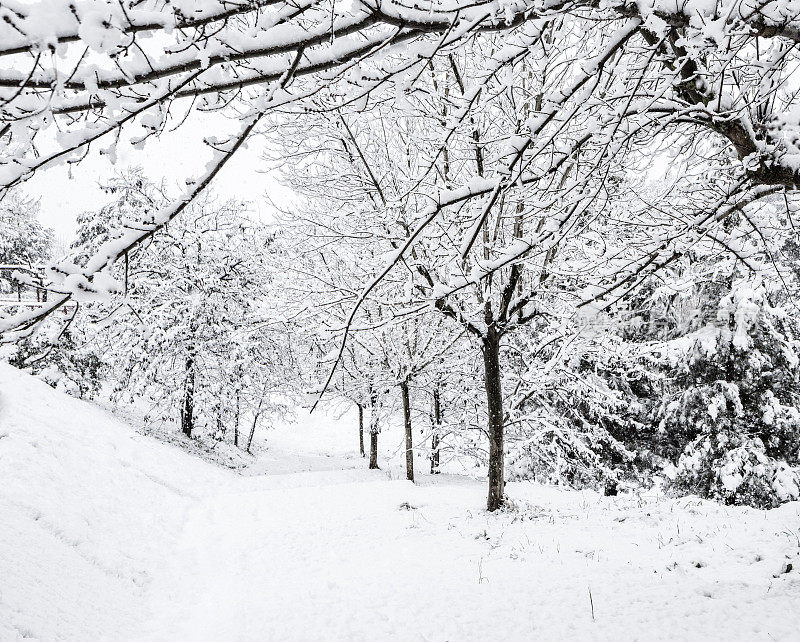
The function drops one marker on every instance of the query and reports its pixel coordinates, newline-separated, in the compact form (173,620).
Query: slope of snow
(86,507)
(106,535)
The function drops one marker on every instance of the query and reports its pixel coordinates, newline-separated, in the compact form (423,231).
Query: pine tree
(735,422)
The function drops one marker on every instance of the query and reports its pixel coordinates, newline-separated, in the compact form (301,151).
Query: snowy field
(106,534)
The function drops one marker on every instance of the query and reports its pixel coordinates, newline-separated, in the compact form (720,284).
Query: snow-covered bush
(734,428)
(567,430)
(733,468)
(580,456)
(70,364)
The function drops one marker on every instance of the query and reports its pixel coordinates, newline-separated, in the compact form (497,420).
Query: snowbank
(86,509)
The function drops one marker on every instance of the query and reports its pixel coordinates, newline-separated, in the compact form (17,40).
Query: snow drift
(87,508)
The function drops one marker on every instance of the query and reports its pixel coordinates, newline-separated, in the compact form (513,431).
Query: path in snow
(352,556)
(108,535)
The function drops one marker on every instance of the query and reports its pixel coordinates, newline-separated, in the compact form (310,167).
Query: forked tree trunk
(373,431)
(437,427)
(361,429)
(187,411)
(494,403)
(409,435)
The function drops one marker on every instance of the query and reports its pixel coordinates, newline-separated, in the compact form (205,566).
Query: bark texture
(409,435)
(373,450)
(494,403)
(373,430)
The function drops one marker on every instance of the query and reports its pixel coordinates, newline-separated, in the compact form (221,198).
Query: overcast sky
(174,157)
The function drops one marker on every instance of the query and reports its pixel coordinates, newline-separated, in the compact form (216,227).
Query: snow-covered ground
(106,534)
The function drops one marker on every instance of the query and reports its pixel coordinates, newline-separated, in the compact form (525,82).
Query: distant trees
(333,242)
(315,281)
(192,333)
(59,354)
(24,241)
(412,352)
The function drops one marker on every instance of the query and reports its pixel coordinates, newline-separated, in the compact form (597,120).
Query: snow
(107,534)
(86,509)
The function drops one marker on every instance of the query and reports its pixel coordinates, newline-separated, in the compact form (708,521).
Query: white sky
(174,157)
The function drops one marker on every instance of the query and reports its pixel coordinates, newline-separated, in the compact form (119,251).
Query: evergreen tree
(735,422)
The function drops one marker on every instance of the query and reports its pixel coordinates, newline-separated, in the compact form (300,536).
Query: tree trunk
(255,421)
(236,424)
(252,433)
(361,429)
(373,431)
(494,403)
(437,426)
(373,450)
(220,434)
(187,412)
(409,435)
